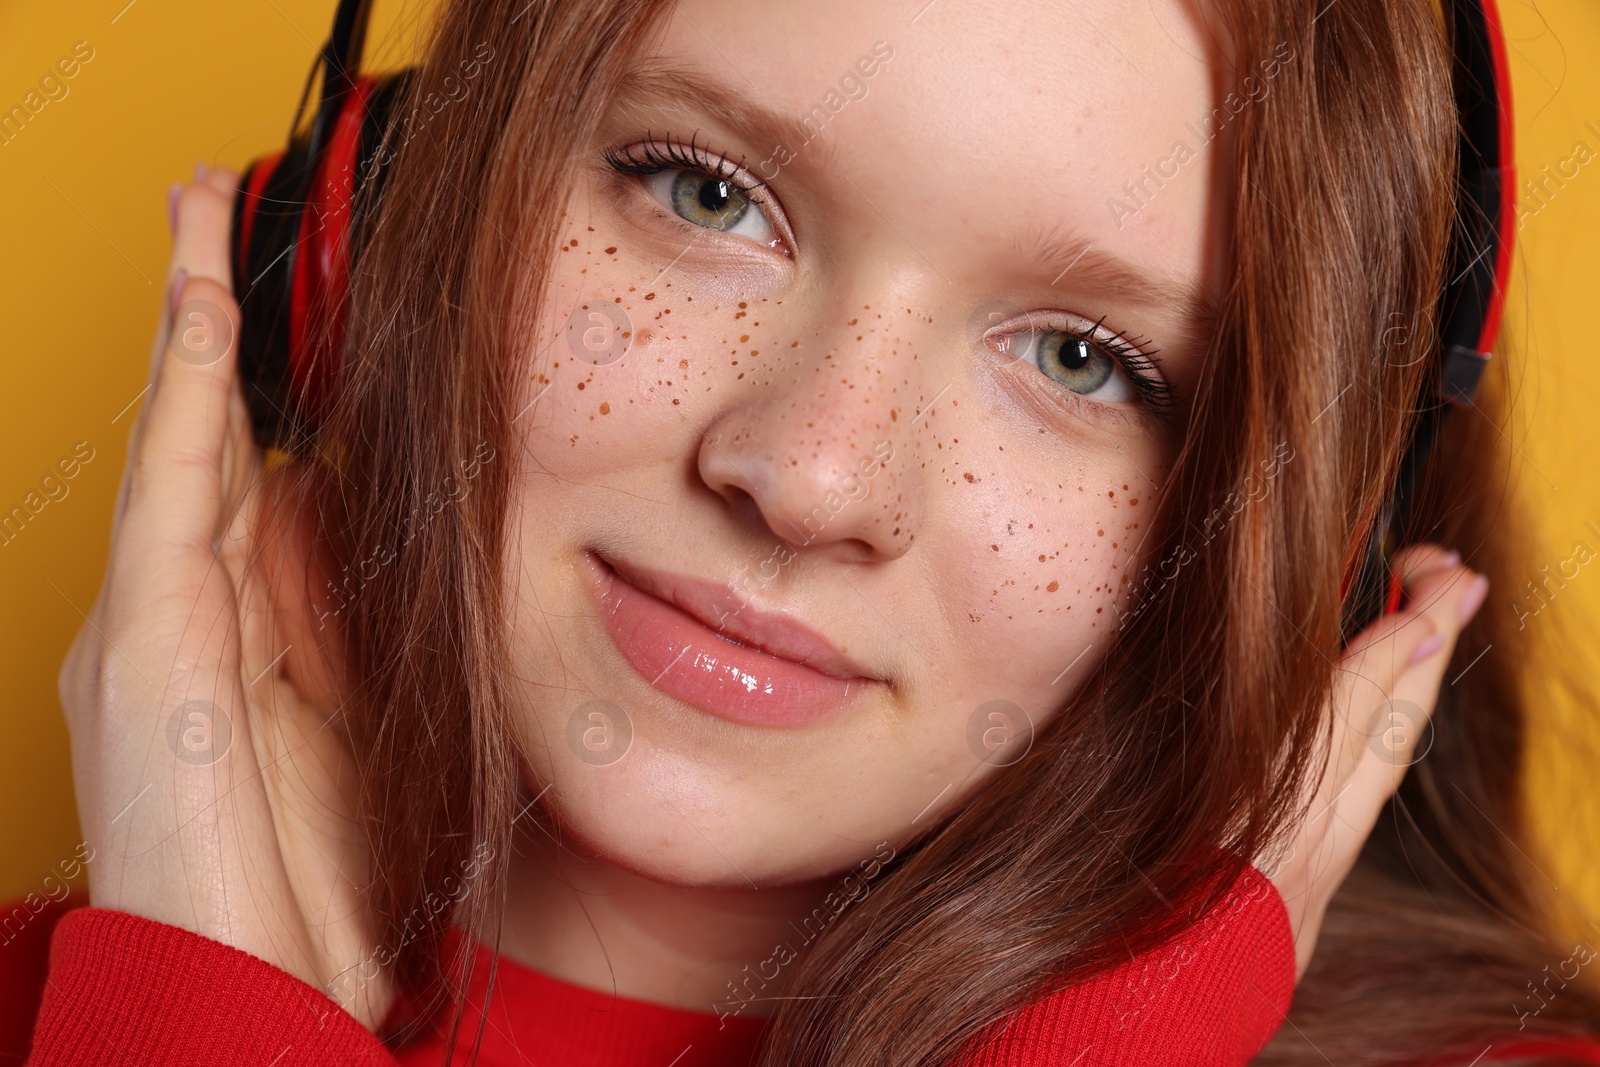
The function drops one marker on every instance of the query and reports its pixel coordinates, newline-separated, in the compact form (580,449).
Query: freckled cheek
(1059,551)
(619,351)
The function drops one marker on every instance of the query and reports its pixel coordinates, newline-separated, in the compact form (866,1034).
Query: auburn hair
(1178,759)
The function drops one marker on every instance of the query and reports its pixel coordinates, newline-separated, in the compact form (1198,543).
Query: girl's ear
(309,607)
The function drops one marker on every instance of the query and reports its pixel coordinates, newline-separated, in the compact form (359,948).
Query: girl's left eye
(1076,363)
(700,188)
(1088,361)
(715,203)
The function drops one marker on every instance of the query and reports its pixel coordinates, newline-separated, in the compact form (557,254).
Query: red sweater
(122,989)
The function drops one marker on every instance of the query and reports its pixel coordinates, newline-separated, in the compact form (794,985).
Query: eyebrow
(1066,254)
(660,85)
(1057,252)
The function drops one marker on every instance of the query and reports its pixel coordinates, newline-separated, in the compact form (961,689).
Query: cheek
(1052,554)
(1043,568)
(627,353)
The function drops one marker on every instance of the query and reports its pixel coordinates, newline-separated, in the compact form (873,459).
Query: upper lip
(721,610)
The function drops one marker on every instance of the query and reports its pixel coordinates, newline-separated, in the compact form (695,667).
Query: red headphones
(295,211)
(292,221)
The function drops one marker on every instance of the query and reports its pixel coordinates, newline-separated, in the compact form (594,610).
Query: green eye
(1089,360)
(1075,362)
(708,201)
(711,201)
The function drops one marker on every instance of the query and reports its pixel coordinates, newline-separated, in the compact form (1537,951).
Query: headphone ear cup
(290,243)
(267,209)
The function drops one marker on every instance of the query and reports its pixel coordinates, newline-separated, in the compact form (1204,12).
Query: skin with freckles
(816,410)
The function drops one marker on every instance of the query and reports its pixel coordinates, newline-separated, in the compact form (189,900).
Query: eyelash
(652,157)
(649,157)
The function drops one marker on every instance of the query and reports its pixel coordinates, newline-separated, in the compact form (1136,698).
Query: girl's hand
(1388,683)
(211,780)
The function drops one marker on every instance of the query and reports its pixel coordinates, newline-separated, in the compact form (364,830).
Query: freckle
(1052,587)
(894,415)
(1102,533)
(1041,558)
(674,403)
(1133,502)
(649,296)
(995,547)
(605,409)
(743,304)
(611,251)
(743,338)
(580,385)
(970,477)
(574,242)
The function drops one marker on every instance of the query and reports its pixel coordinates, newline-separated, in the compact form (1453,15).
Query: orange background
(86,243)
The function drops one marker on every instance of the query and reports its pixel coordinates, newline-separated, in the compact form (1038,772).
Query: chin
(690,825)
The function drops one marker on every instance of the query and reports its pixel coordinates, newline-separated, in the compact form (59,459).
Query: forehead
(1005,124)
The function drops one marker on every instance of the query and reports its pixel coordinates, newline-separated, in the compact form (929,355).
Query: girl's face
(835,469)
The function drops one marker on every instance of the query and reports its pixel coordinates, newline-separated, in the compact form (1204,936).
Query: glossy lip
(698,641)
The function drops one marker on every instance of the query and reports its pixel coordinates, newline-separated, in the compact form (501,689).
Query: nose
(818,452)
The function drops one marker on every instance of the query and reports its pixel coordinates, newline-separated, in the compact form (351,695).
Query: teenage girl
(822,544)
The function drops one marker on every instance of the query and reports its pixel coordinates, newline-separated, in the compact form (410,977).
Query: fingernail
(1430,644)
(1451,558)
(1473,600)
(172,207)
(199,172)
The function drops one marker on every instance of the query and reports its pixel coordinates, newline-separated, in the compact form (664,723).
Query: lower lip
(681,656)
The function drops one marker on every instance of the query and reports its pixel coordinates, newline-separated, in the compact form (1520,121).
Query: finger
(1451,596)
(1373,662)
(1448,596)
(176,484)
(203,214)
(205,217)
(200,242)
(1379,656)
